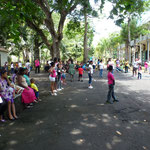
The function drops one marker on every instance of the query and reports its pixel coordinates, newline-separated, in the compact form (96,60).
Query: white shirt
(20,65)
(90,69)
(110,63)
(12,65)
(135,64)
(28,66)
(101,66)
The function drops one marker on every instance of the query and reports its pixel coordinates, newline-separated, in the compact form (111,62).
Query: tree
(127,10)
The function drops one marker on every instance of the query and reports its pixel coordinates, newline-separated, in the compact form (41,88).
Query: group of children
(57,76)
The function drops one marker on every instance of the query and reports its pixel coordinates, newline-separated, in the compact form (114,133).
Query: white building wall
(4,57)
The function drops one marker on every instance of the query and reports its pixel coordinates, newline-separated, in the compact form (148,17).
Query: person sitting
(35,88)
(18,89)
(7,92)
(28,95)
(26,76)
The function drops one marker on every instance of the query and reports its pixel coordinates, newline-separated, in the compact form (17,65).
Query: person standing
(80,69)
(28,67)
(111,84)
(126,66)
(20,64)
(12,67)
(90,73)
(37,66)
(101,67)
(139,71)
(6,66)
(71,70)
(135,67)
(146,66)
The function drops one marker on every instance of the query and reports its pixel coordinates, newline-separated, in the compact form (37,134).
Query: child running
(111,84)
(35,88)
(80,69)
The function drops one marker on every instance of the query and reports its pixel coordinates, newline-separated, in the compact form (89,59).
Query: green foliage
(136,30)
(127,8)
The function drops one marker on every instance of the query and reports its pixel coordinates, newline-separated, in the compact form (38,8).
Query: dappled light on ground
(79,142)
(76,132)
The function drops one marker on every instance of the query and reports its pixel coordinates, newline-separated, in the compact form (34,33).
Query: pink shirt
(53,74)
(146,65)
(37,63)
(110,78)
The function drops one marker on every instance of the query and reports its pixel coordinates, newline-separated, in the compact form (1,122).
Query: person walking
(111,84)
(37,66)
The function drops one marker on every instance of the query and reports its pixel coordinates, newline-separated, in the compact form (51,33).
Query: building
(3,56)
(139,48)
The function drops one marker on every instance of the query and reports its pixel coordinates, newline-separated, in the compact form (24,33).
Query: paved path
(78,119)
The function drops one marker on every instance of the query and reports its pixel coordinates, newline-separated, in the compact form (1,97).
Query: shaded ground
(78,119)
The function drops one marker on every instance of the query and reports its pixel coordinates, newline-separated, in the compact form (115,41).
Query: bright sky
(104,26)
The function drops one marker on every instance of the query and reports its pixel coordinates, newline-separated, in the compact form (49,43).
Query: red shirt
(110,78)
(80,71)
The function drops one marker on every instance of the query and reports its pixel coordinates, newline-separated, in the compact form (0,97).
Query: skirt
(28,96)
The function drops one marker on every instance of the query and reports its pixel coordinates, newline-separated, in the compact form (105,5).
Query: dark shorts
(80,75)
(134,69)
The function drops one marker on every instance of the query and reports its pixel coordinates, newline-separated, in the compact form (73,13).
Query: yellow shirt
(33,86)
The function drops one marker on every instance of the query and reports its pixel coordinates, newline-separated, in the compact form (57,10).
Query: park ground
(79,119)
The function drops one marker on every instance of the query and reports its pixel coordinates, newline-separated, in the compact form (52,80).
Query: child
(101,67)
(52,78)
(35,88)
(146,66)
(139,71)
(80,69)
(111,83)
(59,77)
(90,73)
(64,76)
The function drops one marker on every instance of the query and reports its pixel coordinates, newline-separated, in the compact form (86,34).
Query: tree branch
(39,32)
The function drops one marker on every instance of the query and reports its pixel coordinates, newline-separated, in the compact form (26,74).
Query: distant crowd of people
(17,81)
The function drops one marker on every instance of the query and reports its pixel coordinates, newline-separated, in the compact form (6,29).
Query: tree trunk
(129,39)
(126,50)
(85,38)
(36,49)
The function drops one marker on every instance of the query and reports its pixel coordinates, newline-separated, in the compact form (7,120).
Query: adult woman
(26,76)
(28,95)
(52,78)
(71,70)
(7,92)
(37,66)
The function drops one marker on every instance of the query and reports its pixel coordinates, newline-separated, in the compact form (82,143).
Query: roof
(3,50)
